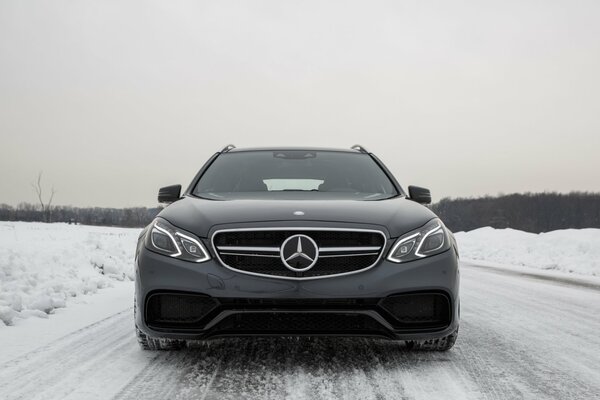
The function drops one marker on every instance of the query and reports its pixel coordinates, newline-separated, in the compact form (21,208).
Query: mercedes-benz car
(296,242)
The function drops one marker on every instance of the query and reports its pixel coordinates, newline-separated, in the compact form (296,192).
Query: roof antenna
(227,148)
(358,147)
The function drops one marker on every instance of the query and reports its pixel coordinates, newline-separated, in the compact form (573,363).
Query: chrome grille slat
(356,249)
(249,254)
(277,249)
(243,249)
(348,255)
(249,248)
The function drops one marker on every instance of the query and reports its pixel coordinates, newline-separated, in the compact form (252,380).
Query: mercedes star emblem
(299,253)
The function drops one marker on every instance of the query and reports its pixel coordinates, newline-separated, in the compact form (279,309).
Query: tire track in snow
(87,363)
(491,359)
(541,346)
(489,362)
(66,337)
(185,374)
(48,365)
(157,381)
(520,338)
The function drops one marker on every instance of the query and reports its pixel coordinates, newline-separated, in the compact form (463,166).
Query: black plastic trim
(371,307)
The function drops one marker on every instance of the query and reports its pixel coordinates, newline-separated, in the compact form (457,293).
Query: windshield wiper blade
(297,190)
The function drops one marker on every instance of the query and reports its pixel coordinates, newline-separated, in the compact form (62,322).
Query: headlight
(169,240)
(431,238)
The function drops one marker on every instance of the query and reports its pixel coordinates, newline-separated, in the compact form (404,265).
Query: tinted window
(293,174)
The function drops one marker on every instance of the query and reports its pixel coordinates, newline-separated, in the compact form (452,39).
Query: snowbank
(570,250)
(43,265)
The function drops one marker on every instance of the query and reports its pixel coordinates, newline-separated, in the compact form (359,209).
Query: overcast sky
(113,99)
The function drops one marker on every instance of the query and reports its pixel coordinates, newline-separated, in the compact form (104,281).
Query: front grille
(274,237)
(258,251)
(299,324)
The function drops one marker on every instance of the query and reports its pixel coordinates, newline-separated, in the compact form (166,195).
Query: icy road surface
(520,337)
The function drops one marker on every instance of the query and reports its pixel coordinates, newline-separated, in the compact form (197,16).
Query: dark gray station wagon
(296,242)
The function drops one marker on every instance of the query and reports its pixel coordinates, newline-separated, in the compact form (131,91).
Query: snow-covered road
(520,337)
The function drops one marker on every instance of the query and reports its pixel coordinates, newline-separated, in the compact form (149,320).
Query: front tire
(149,343)
(441,344)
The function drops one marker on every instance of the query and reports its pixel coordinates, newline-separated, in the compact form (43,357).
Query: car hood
(199,216)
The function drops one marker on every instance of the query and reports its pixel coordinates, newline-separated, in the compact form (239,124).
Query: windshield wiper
(297,190)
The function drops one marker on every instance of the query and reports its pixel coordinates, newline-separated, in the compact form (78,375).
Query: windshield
(294,174)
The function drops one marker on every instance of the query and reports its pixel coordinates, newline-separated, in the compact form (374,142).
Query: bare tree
(46,207)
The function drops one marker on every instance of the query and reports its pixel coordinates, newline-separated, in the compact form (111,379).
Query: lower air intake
(175,309)
(421,309)
(282,323)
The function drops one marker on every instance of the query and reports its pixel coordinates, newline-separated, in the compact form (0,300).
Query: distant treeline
(532,212)
(135,217)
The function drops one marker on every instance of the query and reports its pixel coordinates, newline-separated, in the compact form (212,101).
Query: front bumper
(348,305)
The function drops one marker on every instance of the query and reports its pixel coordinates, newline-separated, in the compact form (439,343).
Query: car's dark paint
(394,217)
(438,273)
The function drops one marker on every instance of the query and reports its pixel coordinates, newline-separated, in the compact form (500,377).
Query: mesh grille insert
(299,323)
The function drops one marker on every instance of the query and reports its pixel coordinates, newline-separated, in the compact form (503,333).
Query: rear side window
(271,174)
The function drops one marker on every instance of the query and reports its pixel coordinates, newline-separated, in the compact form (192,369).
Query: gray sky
(113,99)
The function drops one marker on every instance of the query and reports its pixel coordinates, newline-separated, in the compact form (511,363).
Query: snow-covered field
(572,250)
(44,267)
(521,337)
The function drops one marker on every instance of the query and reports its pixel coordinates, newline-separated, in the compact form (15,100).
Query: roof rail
(358,147)
(227,148)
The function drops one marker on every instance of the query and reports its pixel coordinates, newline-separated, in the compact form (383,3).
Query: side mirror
(169,194)
(419,194)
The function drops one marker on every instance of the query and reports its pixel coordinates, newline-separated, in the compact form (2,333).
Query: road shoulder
(32,333)
(590,282)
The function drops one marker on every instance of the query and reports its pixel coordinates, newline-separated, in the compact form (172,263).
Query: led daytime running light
(183,243)
(431,232)
(166,232)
